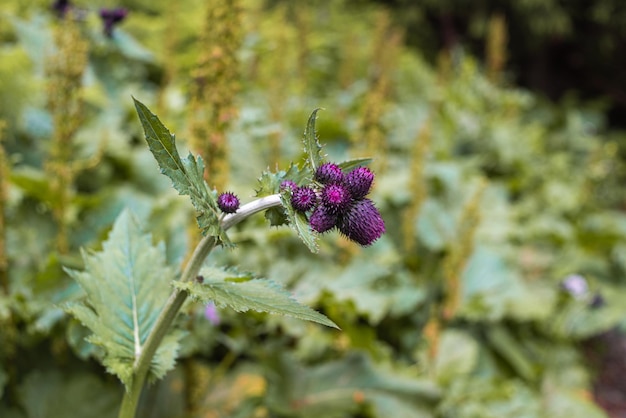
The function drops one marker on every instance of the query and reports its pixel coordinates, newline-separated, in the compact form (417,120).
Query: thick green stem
(176,300)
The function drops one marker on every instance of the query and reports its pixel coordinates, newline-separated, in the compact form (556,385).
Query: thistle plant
(133,296)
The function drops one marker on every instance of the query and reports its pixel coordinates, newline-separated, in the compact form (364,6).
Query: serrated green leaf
(187,175)
(312,147)
(299,223)
(354,163)
(259,295)
(126,286)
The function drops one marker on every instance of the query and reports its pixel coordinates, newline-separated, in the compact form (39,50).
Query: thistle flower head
(329,173)
(362,222)
(303,199)
(322,219)
(336,197)
(359,181)
(228,202)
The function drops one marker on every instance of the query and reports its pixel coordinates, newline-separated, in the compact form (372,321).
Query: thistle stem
(176,300)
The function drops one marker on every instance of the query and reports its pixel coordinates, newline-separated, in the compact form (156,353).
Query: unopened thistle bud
(359,181)
(228,202)
(329,173)
(362,222)
(322,219)
(288,184)
(303,199)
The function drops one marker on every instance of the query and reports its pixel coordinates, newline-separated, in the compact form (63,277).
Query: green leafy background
(545,180)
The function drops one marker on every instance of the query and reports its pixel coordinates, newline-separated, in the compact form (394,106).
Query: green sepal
(187,174)
(242,292)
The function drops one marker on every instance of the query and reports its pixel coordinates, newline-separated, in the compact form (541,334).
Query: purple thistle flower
(228,202)
(288,184)
(329,173)
(322,219)
(111,17)
(211,314)
(362,222)
(336,197)
(359,182)
(303,199)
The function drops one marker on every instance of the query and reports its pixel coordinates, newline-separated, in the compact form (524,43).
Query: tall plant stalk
(65,70)
(4,174)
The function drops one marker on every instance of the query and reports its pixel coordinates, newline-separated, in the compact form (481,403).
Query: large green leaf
(126,286)
(243,293)
(186,175)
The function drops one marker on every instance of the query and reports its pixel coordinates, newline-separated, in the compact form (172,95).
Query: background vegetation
(495,200)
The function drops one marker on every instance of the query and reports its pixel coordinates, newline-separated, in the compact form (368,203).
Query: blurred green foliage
(491,198)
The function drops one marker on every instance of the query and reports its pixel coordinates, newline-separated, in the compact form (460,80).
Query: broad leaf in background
(312,146)
(126,286)
(339,388)
(187,175)
(243,293)
(52,394)
(457,355)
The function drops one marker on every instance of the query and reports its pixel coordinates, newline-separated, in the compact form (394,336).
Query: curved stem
(176,300)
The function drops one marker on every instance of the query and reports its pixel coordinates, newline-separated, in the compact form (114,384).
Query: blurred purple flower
(61,7)
(576,285)
(211,314)
(597,301)
(111,17)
